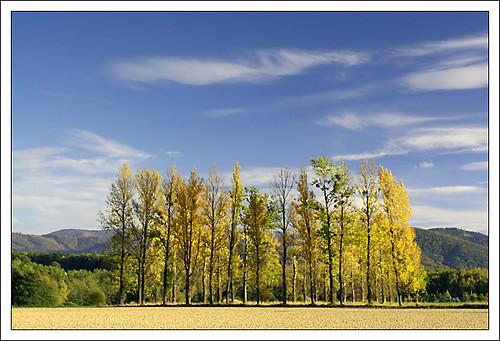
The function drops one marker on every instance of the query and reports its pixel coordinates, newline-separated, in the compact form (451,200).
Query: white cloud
(223,112)
(473,166)
(253,66)
(52,190)
(110,148)
(109,156)
(430,216)
(477,42)
(456,139)
(460,78)
(388,150)
(30,159)
(463,138)
(446,190)
(258,176)
(426,164)
(172,153)
(355,121)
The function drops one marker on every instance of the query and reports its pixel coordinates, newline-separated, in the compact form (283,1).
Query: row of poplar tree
(236,242)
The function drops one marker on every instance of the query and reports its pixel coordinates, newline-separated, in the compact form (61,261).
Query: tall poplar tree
(119,219)
(325,175)
(146,208)
(236,200)
(342,192)
(258,222)
(169,189)
(215,206)
(405,253)
(368,190)
(188,221)
(282,185)
(307,226)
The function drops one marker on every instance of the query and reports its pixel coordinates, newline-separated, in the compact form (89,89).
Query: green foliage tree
(37,285)
(85,289)
(325,175)
(342,196)
(119,219)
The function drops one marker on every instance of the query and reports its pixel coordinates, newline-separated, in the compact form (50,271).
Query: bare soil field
(245,318)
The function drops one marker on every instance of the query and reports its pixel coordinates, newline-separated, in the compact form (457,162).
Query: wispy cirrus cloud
(455,64)
(250,66)
(468,43)
(355,121)
(475,166)
(460,78)
(441,139)
(387,150)
(446,190)
(52,188)
(462,139)
(93,142)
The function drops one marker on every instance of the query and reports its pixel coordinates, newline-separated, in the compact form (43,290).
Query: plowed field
(237,318)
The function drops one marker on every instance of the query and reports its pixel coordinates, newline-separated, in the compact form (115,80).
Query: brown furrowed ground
(243,318)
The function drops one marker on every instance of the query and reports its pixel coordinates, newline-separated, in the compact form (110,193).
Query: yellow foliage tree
(188,222)
(405,253)
(215,205)
(236,201)
(306,226)
(146,207)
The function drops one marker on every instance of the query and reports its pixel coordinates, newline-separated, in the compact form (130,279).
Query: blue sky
(93,90)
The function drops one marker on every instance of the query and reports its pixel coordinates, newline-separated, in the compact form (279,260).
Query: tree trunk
(187,287)
(304,283)
(257,273)
(219,291)
(245,260)
(311,280)
(229,284)
(294,280)
(285,245)
(368,283)
(203,281)
(139,293)
(174,276)
(341,291)
(122,263)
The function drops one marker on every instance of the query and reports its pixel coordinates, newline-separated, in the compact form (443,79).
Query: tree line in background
(49,279)
(177,240)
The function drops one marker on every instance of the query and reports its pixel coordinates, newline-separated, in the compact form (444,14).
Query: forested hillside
(474,237)
(441,247)
(67,240)
(452,248)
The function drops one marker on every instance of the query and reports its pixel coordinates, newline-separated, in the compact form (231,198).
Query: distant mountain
(69,240)
(452,248)
(441,247)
